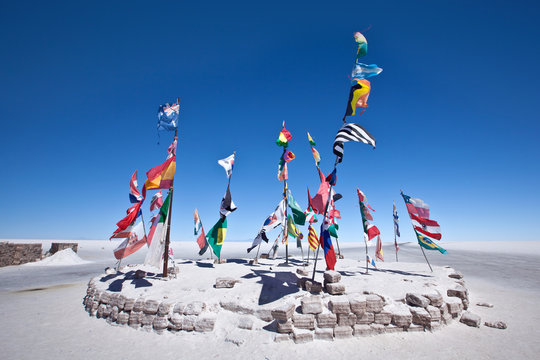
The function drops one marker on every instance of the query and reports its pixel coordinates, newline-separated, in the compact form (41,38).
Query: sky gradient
(454,112)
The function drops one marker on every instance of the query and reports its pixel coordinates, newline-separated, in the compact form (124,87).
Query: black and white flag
(351,132)
(227,205)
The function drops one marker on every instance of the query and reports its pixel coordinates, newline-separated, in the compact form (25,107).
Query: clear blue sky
(455,111)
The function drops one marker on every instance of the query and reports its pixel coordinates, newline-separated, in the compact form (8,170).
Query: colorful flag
(197,225)
(156,236)
(364,71)
(161,176)
(362,45)
(202,242)
(433,231)
(419,213)
(133,242)
(358,95)
(310,139)
(157,201)
(272,221)
(284,137)
(371,261)
(313,238)
(351,132)
(396,221)
(378,250)
(311,217)
(318,202)
(216,236)
(282,166)
(326,240)
(416,206)
(293,229)
(316,156)
(332,229)
(227,205)
(426,243)
(298,214)
(228,164)
(134,194)
(171,151)
(168,116)
(372,231)
(332,178)
(132,214)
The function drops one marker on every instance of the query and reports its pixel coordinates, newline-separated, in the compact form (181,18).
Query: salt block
(362,330)
(104,297)
(378,328)
(435,298)
(304,321)
(225,282)
(245,322)
(302,336)
(434,312)
(470,319)
(343,332)
(455,275)
(135,318)
(176,321)
(285,327)
(314,287)
(205,323)
(147,320)
(188,322)
(401,315)
(465,303)
(281,337)
(324,334)
(236,307)
(458,291)
(374,303)
(346,319)
(120,301)
(496,324)
(194,308)
(326,320)
(335,288)
(434,325)
(165,308)
(415,328)
(264,314)
(160,323)
(302,272)
(311,305)
(151,307)
(393,329)
(331,276)
(358,304)
(123,318)
(384,317)
(179,308)
(128,304)
(365,319)
(446,317)
(420,316)
(339,305)
(454,306)
(139,304)
(416,300)
(283,312)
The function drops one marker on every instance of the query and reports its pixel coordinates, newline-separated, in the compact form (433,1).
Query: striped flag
(371,261)
(134,241)
(134,194)
(326,240)
(351,132)
(313,238)
(157,201)
(227,205)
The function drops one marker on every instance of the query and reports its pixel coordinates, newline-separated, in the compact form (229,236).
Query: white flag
(228,164)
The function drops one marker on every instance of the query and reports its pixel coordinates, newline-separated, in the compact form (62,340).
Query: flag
(426,243)
(157,201)
(351,132)
(332,178)
(371,261)
(202,242)
(216,236)
(284,137)
(310,139)
(228,164)
(161,176)
(134,194)
(133,242)
(416,206)
(168,116)
(197,225)
(311,217)
(332,229)
(275,247)
(313,238)
(132,214)
(272,221)
(282,167)
(293,229)
(378,250)
(318,202)
(156,235)
(227,205)
(358,95)
(427,227)
(171,151)
(396,221)
(362,45)
(316,156)
(372,231)
(363,71)
(298,214)
(329,254)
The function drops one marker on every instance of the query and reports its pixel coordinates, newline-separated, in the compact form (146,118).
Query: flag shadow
(204,265)
(277,286)
(116,285)
(400,272)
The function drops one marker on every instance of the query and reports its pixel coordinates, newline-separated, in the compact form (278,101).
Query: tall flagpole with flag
(396,228)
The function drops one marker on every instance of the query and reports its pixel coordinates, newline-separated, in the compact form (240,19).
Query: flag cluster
(370,230)
(425,228)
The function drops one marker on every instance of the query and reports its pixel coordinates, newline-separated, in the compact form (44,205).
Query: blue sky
(454,111)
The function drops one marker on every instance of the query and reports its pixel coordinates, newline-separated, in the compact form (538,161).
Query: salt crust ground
(42,315)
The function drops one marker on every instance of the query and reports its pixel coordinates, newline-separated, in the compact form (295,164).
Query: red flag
(157,201)
(372,231)
(132,213)
(318,202)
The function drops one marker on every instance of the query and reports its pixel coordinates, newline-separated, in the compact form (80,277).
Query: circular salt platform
(280,301)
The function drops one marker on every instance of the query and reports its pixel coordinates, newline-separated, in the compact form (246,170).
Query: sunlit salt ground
(43,317)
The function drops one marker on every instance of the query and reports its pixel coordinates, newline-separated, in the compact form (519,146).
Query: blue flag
(168,117)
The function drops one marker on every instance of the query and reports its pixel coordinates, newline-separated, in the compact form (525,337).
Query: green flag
(332,229)
(426,243)
(298,214)
(216,235)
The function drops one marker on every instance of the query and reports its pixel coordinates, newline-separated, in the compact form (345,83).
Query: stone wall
(55,247)
(314,315)
(16,254)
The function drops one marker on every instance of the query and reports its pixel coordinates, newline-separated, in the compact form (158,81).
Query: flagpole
(324,218)
(286,230)
(421,248)
(364,235)
(169,213)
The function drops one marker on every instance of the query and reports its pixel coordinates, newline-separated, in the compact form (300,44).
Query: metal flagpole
(394,212)
(421,248)
(286,228)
